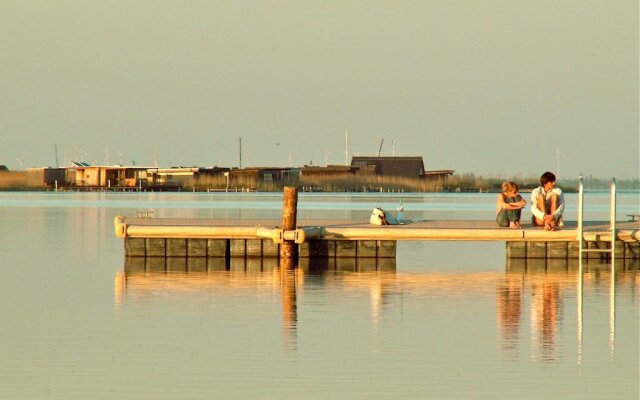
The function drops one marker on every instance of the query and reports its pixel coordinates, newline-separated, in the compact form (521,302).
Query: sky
(509,88)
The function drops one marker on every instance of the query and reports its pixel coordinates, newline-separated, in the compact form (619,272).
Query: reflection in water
(537,287)
(612,309)
(288,278)
(509,309)
(544,295)
(119,286)
(544,317)
(151,275)
(549,284)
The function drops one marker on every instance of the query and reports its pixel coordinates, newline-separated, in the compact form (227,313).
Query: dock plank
(452,230)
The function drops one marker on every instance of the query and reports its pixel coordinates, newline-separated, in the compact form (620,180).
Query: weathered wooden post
(288,248)
(288,262)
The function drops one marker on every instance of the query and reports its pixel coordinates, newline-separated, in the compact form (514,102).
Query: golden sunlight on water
(533,294)
(444,320)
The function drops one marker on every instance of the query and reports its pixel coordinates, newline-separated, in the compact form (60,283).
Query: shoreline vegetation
(465,182)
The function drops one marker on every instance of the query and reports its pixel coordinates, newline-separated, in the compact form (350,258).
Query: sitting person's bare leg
(553,201)
(542,207)
(551,222)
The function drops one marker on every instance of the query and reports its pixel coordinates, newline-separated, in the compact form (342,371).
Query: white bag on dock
(381,217)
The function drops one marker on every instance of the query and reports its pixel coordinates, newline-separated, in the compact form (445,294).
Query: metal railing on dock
(612,223)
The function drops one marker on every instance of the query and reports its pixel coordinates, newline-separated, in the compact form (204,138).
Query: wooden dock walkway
(338,238)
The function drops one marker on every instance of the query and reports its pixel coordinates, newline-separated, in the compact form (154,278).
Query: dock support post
(288,248)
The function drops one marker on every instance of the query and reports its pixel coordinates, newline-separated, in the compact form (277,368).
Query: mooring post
(288,248)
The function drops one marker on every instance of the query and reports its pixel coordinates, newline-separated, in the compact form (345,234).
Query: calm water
(443,321)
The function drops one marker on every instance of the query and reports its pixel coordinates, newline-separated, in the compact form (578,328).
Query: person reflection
(544,317)
(509,310)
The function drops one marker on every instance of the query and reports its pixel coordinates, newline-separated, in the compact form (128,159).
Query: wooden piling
(289,220)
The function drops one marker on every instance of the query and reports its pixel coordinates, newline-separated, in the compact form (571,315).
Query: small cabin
(262,178)
(405,167)
(83,174)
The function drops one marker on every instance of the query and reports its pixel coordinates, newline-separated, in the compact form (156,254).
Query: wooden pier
(168,237)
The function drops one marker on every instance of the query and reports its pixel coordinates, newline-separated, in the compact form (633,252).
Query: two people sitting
(547,204)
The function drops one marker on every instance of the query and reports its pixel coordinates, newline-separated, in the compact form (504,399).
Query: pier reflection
(147,276)
(534,299)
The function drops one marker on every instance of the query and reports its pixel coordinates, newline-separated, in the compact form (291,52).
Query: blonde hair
(509,186)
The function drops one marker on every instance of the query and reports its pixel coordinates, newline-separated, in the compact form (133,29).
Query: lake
(441,321)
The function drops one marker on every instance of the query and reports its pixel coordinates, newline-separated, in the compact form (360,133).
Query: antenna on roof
(55,147)
(346,147)
(380,147)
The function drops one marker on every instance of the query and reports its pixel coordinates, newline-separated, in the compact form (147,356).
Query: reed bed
(19,180)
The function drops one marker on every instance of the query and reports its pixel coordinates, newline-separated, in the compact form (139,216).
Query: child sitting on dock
(547,203)
(509,206)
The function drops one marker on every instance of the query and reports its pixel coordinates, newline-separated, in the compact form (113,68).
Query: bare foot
(513,225)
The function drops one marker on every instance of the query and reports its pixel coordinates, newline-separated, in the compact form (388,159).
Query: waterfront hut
(173,177)
(186,177)
(212,178)
(398,173)
(82,174)
(405,167)
(47,176)
(329,178)
(437,178)
(262,178)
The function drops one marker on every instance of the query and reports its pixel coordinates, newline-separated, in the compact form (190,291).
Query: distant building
(364,174)
(262,178)
(47,176)
(438,177)
(184,176)
(330,171)
(406,167)
(172,177)
(83,174)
